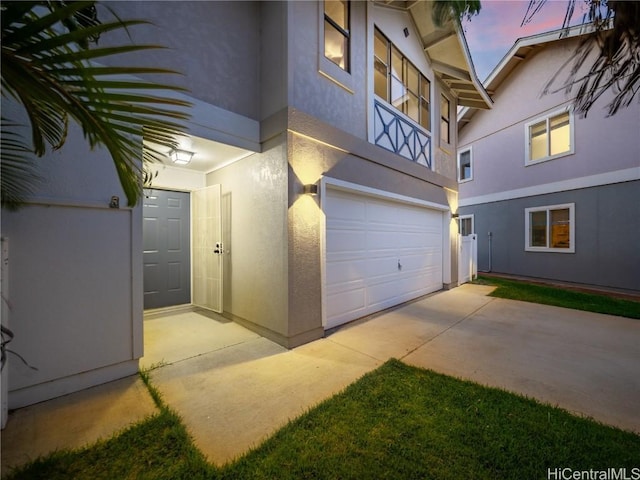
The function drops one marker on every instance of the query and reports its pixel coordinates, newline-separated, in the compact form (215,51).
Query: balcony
(394,132)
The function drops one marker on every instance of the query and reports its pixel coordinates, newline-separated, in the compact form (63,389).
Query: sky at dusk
(492,32)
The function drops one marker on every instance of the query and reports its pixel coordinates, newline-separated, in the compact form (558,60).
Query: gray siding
(606,230)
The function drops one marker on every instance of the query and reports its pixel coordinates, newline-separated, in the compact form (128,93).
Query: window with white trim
(550,228)
(465,225)
(549,137)
(445,119)
(465,165)
(336,32)
(399,82)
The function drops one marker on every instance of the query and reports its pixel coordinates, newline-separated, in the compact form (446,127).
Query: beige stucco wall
(254,202)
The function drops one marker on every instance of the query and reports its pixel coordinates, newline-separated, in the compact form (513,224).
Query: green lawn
(398,422)
(560,297)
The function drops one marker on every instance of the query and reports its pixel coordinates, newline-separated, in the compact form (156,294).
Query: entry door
(165,233)
(207,248)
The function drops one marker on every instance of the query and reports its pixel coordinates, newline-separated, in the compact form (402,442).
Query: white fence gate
(467,258)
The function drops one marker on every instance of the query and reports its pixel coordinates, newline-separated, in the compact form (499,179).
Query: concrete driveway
(232,399)
(584,362)
(233,388)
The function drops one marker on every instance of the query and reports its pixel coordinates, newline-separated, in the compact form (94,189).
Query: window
(399,82)
(549,137)
(465,225)
(336,32)
(550,229)
(445,116)
(465,169)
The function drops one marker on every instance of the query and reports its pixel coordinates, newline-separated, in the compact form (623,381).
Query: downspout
(490,235)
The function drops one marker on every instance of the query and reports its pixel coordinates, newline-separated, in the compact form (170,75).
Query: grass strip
(401,422)
(397,422)
(561,297)
(158,448)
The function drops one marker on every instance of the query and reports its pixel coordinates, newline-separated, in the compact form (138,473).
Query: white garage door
(379,253)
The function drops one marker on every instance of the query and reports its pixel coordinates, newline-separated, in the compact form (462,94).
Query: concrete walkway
(232,395)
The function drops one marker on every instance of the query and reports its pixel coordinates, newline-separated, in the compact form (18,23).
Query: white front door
(379,253)
(207,248)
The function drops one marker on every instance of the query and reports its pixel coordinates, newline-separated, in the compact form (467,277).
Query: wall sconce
(311,189)
(455,215)
(180,157)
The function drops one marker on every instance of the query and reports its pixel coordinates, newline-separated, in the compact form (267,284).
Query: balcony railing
(398,135)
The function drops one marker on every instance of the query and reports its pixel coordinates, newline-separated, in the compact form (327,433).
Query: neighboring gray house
(549,193)
(320,189)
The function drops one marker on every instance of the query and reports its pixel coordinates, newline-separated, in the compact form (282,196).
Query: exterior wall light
(180,157)
(311,189)
(455,215)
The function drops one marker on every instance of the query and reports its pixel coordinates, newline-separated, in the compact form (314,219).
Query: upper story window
(550,229)
(549,137)
(445,119)
(336,32)
(465,165)
(400,83)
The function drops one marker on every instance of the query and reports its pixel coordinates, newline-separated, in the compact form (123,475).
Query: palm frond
(18,176)
(445,11)
(49,72)
(613,48)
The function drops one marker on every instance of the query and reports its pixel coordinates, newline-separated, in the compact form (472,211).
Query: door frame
(190,275)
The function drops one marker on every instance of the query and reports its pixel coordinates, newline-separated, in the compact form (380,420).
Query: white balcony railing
(395,133)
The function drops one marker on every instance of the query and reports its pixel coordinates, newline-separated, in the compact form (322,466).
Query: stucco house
(549,193)
(318,187)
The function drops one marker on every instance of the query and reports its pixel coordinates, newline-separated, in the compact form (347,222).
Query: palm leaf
(53,77)
(17,174)
(445,11)
(615,46)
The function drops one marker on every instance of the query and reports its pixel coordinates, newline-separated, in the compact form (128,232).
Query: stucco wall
(214,45)
(310,74)
(274,68)
(606,252)
(254,200)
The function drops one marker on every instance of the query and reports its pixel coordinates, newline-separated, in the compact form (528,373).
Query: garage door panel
(345,240)
(341,272)
(383,212)
(365,240)
(349,208)
(418,263)
(346,304)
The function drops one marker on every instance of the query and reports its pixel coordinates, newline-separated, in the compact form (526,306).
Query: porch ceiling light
(180,157)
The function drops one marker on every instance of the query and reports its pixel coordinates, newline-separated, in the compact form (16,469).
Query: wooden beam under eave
(435,38)
(452,72)
(465,87)
(473,103)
